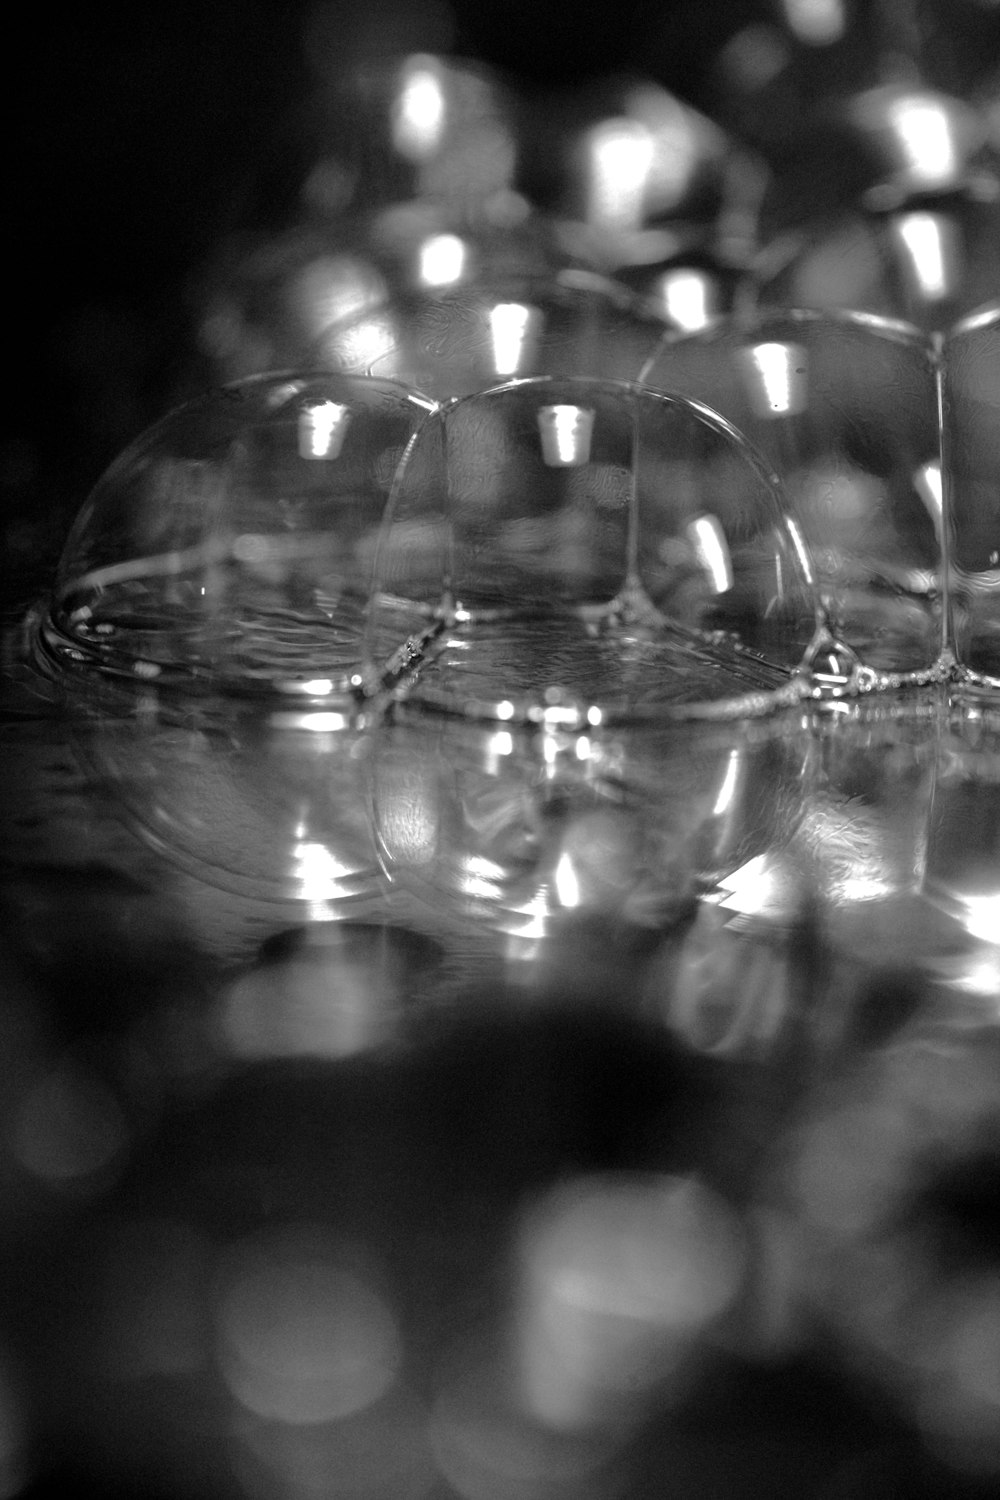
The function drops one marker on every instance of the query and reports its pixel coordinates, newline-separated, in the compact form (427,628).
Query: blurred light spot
(677,143)
(620,1276)
(959,1402)
(314,723)
(854,1165)
(328,1002)
(322,429)
(155,1273)
(619,157)
(251,547)
(777,379)
(512,330)
(303,1335)
(567,885)
(754,57)
(926,134)
(505,709)
(487,1448)
(281,394)
(583,747)
(566,433)
(380,1453)
(69,1127)
(368,342)
(923,237)
(709,543)
(818,22)
(335,289)
(328,187)
(442,260)
(976,974)
(728,992)
(501,743)
(419,115)
(686,299)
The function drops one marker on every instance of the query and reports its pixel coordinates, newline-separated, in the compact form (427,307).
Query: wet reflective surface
(644,1123)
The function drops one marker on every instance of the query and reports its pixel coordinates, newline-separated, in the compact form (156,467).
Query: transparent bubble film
(579,547)
(263,579)
(229,548)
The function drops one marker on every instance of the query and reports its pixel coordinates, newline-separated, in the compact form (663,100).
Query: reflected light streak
(442,260)
(512,328)
(566,433)
(709,543)
(727,791)
(322,429)
(923,238)
(620,155)
(777,379)
(817,22)
(419,121)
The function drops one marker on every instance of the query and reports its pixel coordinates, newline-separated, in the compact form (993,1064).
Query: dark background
(138,134)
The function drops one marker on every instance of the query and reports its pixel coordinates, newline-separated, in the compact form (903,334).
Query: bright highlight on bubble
(924,237)
(322,429)
(511,330)
(565,432)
